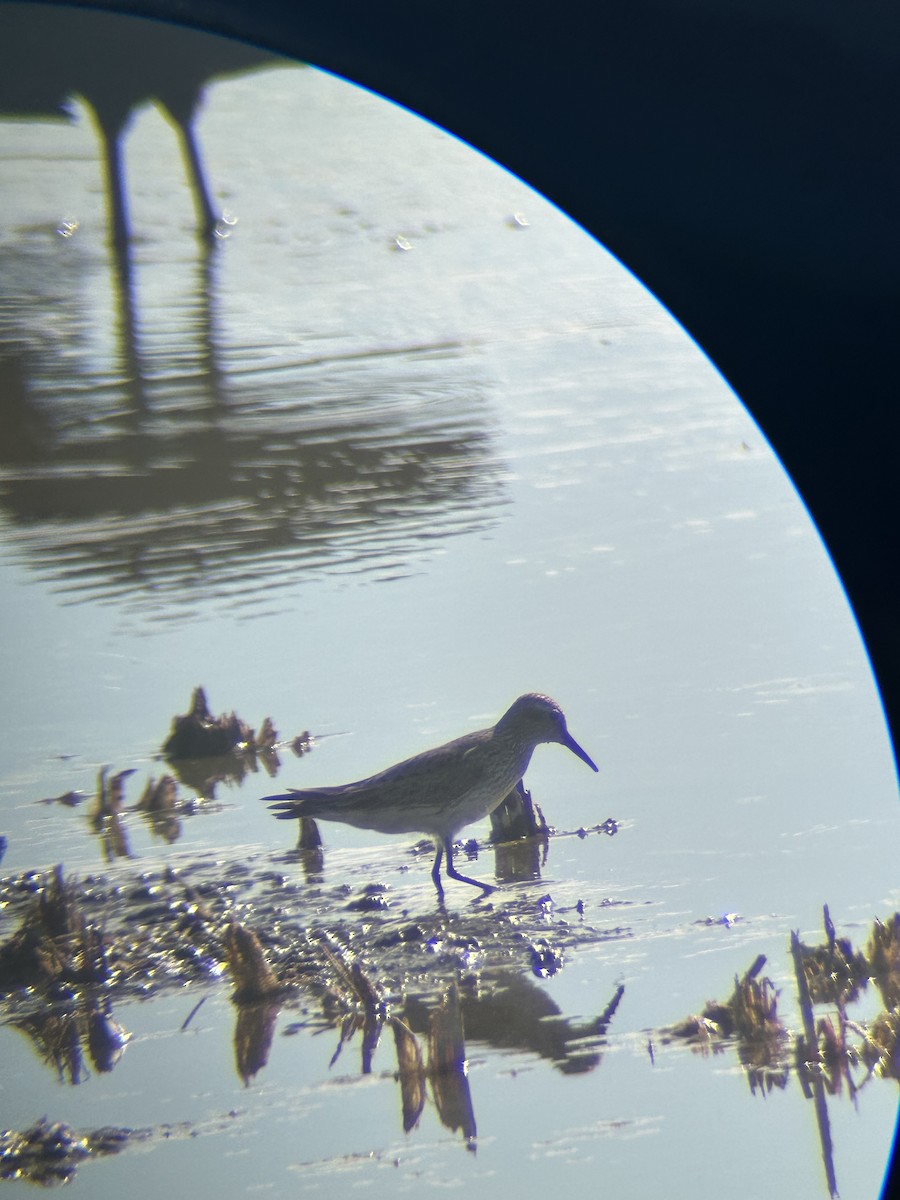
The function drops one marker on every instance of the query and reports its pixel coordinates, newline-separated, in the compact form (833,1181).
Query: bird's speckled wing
(436,792)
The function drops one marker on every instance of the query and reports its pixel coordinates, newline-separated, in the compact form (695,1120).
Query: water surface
(406,445)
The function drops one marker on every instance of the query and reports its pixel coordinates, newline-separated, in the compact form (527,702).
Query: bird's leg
(112,131)
(208,218)
(436,871)
(452,872)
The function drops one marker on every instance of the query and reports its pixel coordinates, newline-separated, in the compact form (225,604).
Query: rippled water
(406,445)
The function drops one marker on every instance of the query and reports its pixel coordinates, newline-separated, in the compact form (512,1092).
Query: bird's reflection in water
(193,465)
(214,474)
(437,983)
(503,1010)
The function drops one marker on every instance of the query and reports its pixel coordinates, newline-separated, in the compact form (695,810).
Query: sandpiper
(440,791)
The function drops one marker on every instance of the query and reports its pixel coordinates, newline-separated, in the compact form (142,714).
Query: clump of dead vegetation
(198,734)
(159,805)
(833,972)
(204,750)
(749,1017)
(50,1153)
(518,816)
(431,982)
(830,1051)
(251,974)
(54,946)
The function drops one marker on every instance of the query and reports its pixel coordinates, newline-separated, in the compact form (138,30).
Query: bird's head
(537,718)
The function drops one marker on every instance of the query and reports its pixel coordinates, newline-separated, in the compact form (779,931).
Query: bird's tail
(286,808)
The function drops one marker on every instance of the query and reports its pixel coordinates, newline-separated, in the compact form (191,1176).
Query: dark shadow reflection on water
(188,465)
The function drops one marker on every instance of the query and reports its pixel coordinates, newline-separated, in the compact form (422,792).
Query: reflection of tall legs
(509,1012)
(117,199)
(123,289)
(126,305)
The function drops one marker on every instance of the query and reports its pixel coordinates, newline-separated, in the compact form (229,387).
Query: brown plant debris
(253,978)
(49,1153)
(447,1067)
(350,1000)
(64,1035)
(517,816)
(880,1050)
(883,954)
(67,799)
(159,796)
(410,1073)
(253,1033)
(53,945)
(267,737)
(834,972)
(110,797)
(302,743)
(751,1016)
(309,837)
(160,807)
(198,734)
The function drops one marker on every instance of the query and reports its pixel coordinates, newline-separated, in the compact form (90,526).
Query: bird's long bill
(582,754)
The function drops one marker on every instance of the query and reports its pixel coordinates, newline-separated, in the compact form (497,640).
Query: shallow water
(376,493)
